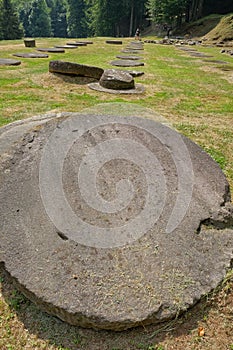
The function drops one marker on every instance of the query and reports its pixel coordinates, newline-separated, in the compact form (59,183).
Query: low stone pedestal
(30,42)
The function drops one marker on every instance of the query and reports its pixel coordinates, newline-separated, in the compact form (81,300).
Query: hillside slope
(213,29)
(223,33)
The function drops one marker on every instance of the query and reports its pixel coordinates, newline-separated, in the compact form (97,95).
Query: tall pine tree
(77,23)
(9,26)
(58,19)
(39,20)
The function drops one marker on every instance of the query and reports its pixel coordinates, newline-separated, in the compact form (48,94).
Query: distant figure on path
(137,34)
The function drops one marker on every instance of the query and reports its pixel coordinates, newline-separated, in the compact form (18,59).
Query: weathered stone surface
(130,51)
(72,68)
(110,221)
(30,42)
(31,55)
(199,54)
(77,43)
(14,132)
(135,73)
(128,57)
(88,42)
(9,62)
(134,47)
(216,61)
(51,49)
(138,89)
(126,63)
(185,48)
(115,42)
(227,51)
(66,47)
(116,79)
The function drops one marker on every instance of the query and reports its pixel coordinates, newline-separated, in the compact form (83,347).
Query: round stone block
(129,57)
(115,42)
(51,49)
(77,43)
(135,73)
(31,55)
(111,221)
(66,46)
(199,54)
(29,42)
(138,89)
(117,80)
(130,51)
(134,47)
(126,63)
(9,62)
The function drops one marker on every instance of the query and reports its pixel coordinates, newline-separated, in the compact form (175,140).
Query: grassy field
(196,97)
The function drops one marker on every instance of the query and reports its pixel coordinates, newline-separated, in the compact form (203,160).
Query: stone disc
(76,43)
(51,49)
(126,63)
(114,42)
(129,57)
(111,221)
(138,89)
(9,62)
(66,47)
(134,47)
(31,55)
(132,51)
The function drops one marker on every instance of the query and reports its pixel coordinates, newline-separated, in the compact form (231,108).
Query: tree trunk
(131,19)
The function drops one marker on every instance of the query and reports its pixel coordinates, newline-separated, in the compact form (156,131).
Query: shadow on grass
(74,79)
(67,337)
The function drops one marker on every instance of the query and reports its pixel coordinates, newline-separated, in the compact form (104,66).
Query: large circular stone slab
(51,49)
(138,89)
(110,221)
(31,55)
(126,63)
(66,47)
(9,62)
(128,51)
(129,57)
(134,47)
(115,42)
(77,43)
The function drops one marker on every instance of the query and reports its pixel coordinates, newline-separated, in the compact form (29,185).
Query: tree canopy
(9,21)
(81,18)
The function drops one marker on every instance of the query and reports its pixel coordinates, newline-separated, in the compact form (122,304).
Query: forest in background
(88,18)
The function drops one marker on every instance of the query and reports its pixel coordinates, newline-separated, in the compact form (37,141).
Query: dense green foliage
(77,25)
(59,19)
(81,18)
(9,21)
(39,20)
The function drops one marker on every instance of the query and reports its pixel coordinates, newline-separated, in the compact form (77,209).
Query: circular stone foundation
(109,221)
(126,63)
(31,55)
(9,62)
(51,49)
